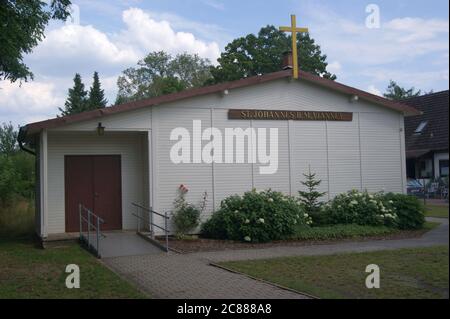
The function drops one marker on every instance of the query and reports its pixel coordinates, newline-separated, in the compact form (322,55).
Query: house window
(425,168)
(443,168)
(421,127)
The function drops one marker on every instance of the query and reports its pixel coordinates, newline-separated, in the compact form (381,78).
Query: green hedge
(267,216)
(380,209)
(340,232)
(256,217)
(409,209)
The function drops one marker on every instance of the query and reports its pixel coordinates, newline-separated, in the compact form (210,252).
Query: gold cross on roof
(294,30)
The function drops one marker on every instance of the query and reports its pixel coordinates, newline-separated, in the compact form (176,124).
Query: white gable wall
(366,153)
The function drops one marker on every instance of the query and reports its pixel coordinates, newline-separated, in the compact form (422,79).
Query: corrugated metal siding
(344,156)
(230,179)
(280,180)
(381,152)
(129,146)
(332,149)
(308,150)
(198,177)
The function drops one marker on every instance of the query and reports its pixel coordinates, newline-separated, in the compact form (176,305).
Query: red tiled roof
(34,128)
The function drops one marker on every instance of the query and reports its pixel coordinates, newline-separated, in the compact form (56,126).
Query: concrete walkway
(121,244)
(191,276)
(438,236)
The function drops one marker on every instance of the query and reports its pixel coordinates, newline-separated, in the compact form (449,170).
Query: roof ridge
(36,127)
(425,95)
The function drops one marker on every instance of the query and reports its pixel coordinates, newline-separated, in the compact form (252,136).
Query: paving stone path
(191,276)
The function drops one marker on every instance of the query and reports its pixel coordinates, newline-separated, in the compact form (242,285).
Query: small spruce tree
(310,197)
(96,99)
(77,100)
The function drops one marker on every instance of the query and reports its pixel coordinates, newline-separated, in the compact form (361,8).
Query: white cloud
(372,89)
(77,48)
(334,67)
(69,49)
(146,34)
(417,29)
(29,101)
(419,79)
(215,4)
(410,50)
(397,40)
(73,42)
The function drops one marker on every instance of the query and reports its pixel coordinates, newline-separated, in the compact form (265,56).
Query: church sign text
(289,115)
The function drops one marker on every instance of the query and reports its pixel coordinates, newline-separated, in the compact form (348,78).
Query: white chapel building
(108,159)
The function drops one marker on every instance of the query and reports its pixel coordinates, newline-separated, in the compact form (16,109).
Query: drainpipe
(20,140)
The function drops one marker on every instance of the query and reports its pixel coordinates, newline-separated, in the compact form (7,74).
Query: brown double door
(95,182)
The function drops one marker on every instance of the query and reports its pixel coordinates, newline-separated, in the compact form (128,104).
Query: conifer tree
(96,99)
(310,197)
(77,100)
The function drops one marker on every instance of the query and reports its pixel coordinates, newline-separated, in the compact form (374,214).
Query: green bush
(186,220)
(360,208)
(8,179)
(409,209)
(17,218)
(186,216)
(256,217)
(340,232)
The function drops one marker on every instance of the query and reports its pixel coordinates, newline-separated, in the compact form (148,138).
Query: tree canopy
(22,27)
(396,92)
(8,139)
(160,73)
(76,100)
(16,168)
(260,54)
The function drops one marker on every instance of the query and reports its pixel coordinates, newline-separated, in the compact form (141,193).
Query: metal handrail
(151,224)
(149,210)
(95,226)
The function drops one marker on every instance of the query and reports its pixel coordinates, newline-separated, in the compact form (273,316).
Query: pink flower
(183,188)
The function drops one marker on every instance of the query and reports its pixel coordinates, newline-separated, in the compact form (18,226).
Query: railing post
(89,228)
(81,222)
(98,236)
(138,220)
(167,232)
(152,228)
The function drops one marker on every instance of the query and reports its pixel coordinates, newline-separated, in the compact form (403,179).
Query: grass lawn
(30,272)
(437,211)
(405,273)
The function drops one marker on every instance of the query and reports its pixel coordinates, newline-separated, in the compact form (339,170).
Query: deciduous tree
(160,73)
(260,54)
(22,25)
(396,92)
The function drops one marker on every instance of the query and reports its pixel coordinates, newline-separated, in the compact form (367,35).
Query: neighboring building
(107,159)
(427,137)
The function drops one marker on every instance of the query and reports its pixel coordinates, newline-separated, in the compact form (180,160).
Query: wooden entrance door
(95,182)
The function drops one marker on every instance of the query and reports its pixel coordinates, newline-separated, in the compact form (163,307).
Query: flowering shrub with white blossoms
(258,216)
(360,208)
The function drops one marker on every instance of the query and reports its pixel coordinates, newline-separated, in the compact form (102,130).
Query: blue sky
(411,46)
